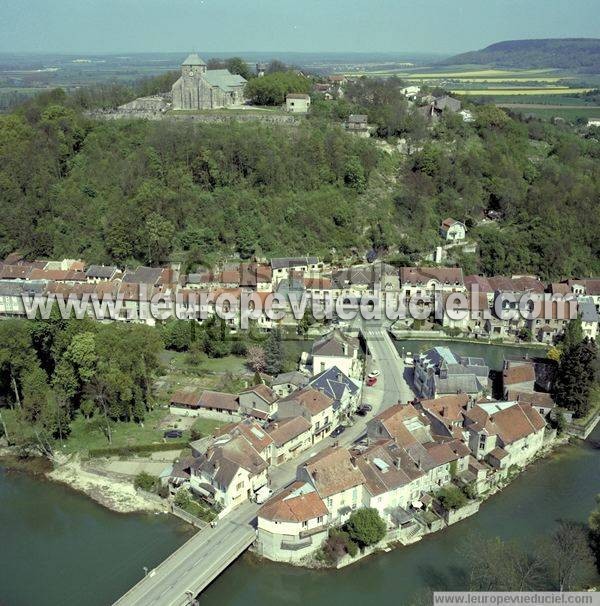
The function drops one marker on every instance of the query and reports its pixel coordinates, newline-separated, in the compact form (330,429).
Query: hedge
(110,451)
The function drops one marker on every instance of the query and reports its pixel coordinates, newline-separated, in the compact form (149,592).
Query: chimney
(345,349)
(444,411)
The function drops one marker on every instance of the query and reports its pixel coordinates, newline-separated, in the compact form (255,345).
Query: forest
(579,54)
(133,192)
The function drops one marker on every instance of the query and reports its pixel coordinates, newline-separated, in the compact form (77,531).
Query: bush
(145,481)
(452,497)
(366,527)
(337,545)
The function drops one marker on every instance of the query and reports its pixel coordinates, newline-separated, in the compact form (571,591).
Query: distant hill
(579,54)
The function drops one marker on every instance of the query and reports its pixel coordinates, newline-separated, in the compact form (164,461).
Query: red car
(371,381)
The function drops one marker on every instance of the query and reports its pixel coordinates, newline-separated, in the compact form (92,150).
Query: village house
(210,404)
(550,323)
(337,480)
(292,524)
(314,406)
(101,273)
(282,266)
(287,382)
(291,436)
(424,282)
(439,372)
(343,390)
(297,103)
(339,350)
(358,124)
(231,472)
(258,401)
(518,375)
(452,230)
(505,434)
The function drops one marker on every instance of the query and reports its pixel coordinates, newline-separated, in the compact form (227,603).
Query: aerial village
(421,438)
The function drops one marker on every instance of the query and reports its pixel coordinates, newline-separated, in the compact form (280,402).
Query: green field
(568,113)
(551,90)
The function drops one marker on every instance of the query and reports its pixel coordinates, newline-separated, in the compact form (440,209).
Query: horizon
(150,26)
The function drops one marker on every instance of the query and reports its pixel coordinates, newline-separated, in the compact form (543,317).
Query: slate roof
(333,383)
(223,79)
(293,378)
(333,345)
(103,272)
(193,59)
(142,275)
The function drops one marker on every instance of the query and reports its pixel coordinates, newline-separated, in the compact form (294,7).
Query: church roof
(193,59)
(223,78)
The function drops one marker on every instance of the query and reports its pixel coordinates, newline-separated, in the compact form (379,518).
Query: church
(201,88)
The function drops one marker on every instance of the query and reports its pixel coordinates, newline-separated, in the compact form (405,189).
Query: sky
(444,26)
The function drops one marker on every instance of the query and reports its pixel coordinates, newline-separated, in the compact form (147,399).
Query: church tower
(193,66)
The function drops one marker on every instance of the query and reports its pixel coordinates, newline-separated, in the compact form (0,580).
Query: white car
(373,374)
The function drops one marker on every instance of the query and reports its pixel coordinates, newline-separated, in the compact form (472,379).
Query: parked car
(173,433)
(371,381)
(374,373)
(339,430)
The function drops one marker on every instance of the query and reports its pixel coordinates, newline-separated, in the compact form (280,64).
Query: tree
(569,557)
(573,334)
(451,497)
(177,334)
(366,527)
(256,358)
(272,88)
(576,376)
(274,352)
(145,481)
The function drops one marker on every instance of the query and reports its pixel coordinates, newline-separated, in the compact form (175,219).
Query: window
(304,524)
(320,520)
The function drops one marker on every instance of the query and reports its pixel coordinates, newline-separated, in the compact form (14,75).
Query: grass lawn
(220,374)
(594,409)
(86,434)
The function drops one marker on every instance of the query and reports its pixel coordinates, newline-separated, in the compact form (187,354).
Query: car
(339,430)
(374,373)
(173,433)
(361,412)
(367,407)
(371,381)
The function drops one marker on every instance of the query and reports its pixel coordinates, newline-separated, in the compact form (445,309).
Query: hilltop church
(201,88)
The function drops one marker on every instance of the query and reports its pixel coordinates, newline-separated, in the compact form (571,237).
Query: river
(61,549)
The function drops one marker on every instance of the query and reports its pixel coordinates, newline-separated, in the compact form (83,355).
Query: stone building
(201,88)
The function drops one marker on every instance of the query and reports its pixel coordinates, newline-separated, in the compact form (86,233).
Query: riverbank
(118,495)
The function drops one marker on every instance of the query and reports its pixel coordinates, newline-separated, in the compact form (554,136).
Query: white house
(453,230)
(297,103)
(339,350)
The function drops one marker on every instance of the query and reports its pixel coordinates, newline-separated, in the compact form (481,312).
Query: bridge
(186,572)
